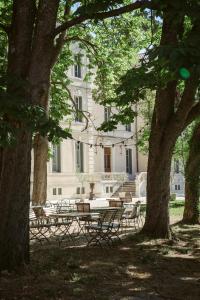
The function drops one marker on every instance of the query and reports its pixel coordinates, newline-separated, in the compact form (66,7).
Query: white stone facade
(68,181)
(107,167)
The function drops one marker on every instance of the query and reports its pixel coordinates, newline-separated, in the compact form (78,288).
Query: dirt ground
(135,269)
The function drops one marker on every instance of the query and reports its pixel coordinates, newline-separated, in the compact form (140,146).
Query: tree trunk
(16,160)
(39,194)
(44,57)
(192,180)
(158,188)
(167,124)
(29,60)
(14,204)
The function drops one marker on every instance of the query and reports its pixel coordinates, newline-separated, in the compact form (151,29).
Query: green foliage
(60,105)
(117,42)
(90,7)
(16,116)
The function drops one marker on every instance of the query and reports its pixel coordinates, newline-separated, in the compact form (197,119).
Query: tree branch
(83,41)
(84,113)
(57,48)
(103,15)
(193,114)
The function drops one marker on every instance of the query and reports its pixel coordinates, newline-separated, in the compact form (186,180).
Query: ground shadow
(137,268)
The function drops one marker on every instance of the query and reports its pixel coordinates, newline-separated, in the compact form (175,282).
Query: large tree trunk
(30,58)
(43,60)
(14,204)
(170,117)
(16,160)
(192,180)
(158,184)
(39,193)
(161,143)
(42,63)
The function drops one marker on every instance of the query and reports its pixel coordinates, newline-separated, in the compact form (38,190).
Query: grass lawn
(137,268)
(176,209)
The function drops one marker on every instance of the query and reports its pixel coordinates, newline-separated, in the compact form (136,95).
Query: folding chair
(102,231)
(132,215)
(116,225)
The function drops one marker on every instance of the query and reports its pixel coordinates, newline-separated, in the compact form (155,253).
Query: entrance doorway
(107,159)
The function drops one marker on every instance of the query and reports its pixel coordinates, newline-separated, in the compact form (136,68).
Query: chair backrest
(138,206)
(118,215)
(130,211)
(108,216)
(135,211)
(115,203)
(83,207)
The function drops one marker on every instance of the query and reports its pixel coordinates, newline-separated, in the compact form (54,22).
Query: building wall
(69,183)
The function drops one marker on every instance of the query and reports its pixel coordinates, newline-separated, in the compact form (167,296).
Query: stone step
(128,186)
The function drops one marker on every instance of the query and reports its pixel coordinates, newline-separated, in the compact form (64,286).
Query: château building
(108,160)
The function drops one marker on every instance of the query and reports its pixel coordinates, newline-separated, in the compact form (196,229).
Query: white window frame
(77,67)
(107,113)
(79,106)
(56,159)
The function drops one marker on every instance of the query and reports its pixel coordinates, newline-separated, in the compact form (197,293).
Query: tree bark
(158,183)
(39,193)
(14,204)
(40,74)
(16,160)
(192,180)
(29,59)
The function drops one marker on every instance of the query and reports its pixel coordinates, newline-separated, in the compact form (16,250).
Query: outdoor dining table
(78,217)
(103,208)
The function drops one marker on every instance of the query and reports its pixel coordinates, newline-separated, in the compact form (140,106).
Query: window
(79,157)
(177,187)
(57,191)
(176,166)
(128,127)
(77,66)
(56,167)
(107,112)
(109,189)
(78,103)
(78,190)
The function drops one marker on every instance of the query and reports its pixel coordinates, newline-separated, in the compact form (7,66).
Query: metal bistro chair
(116,225)
(47,224)
(60,225)
(82,207)
(39,227)
(102,231)
(132,215)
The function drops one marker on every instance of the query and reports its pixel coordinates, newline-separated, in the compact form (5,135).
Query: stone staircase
(128,186)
